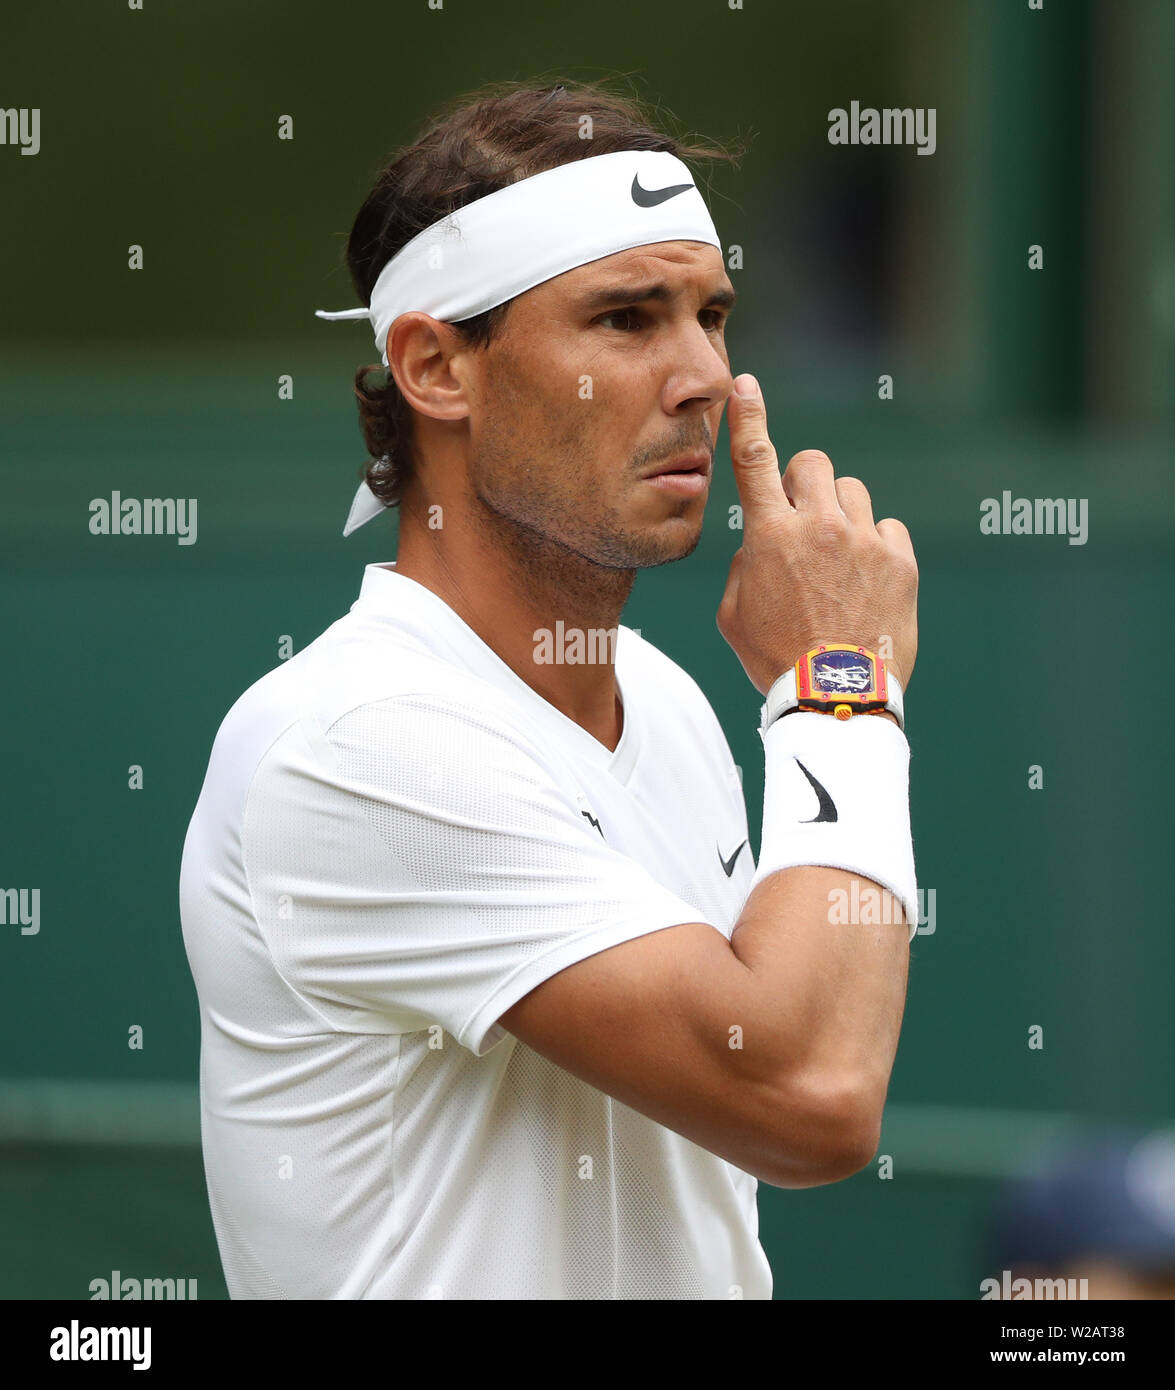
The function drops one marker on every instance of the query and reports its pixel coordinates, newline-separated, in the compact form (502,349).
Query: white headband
(510,241)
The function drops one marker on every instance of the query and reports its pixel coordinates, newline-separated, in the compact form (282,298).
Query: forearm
(832,990)
(822,936)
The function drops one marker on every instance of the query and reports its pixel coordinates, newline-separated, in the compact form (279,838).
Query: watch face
(842,673)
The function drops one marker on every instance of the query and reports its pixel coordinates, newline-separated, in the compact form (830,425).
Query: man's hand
(812,567)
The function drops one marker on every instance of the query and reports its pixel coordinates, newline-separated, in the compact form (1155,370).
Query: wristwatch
(838,679)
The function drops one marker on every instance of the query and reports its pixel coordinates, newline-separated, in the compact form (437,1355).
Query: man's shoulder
(346,686)
(344,681)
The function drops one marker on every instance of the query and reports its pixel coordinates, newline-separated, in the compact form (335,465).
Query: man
(494,1002)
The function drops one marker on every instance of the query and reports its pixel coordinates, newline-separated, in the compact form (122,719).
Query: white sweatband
(516,238)
(836,794)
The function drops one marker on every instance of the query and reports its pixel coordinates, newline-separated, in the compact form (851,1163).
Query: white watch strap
(782,697)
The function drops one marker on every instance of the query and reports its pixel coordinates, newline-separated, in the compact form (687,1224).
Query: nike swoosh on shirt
(650,197)
(827,805)
(728,864)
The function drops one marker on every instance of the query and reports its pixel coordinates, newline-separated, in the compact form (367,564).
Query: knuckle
(897,537)
(906,573)
(752,451)
(853,485)
(810,458)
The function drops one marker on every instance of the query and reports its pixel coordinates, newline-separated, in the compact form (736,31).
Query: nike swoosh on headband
(827,810)
(650,197)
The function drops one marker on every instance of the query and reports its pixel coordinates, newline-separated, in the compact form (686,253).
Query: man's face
(593,384)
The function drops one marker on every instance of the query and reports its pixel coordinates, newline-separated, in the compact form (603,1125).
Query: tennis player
(495,1002)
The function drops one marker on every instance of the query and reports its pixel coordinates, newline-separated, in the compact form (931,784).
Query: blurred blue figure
(1098,1212)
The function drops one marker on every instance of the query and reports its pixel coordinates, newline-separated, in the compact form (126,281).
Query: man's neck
(508,588)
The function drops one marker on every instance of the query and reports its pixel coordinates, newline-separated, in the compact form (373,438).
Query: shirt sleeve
(425,862)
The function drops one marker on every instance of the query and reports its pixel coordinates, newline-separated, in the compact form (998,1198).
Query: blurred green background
(159,128)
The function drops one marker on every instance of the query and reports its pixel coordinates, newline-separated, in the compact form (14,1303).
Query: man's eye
(713,318)
(629,314)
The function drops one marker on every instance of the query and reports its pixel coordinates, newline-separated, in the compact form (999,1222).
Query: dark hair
(476,145)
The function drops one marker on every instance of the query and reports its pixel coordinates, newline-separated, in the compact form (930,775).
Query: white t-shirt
(396,839)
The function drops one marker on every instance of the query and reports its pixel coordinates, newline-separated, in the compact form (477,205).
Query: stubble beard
(559,536)
(561,539)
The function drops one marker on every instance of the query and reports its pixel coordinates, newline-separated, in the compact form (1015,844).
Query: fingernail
(746,385)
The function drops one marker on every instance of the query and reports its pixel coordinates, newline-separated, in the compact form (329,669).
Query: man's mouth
(697,462)
(688,475)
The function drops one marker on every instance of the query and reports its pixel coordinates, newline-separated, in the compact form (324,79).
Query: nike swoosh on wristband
(728,864)
(650,197)
(827,805)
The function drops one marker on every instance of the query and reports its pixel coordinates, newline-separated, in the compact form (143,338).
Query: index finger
(756,464)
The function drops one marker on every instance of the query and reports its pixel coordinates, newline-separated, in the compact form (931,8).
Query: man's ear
(421,352)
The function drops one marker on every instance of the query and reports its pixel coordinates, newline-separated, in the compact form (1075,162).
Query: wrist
(836,679)
(881,714)
(836,794)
